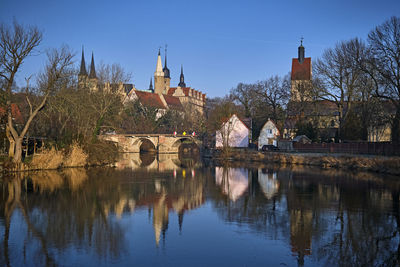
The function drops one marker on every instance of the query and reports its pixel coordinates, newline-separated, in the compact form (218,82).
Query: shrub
(101,153)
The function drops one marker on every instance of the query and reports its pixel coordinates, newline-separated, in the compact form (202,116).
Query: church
(323,114)
(162,96)
(302,107)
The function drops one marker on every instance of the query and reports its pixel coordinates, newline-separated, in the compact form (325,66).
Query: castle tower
(167,77)
(82,76)
(92,76)
(182,79)
(159,84)
(301,77)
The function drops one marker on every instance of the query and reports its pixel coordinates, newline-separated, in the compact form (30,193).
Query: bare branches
(16,43)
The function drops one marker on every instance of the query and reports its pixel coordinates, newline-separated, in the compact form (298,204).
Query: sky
(219,43)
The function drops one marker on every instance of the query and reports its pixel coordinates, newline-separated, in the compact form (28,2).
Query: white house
(233,133)
(269,134)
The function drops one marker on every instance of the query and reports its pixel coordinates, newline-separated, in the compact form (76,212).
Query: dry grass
(76,157)
(48,159)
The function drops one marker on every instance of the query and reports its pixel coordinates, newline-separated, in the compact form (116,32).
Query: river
(173,211)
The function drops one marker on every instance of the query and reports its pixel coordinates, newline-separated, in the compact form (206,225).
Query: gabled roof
(245,121)
(273,123)
(301,71)
(15,112)
(150,99)
(185,90)
(173,102)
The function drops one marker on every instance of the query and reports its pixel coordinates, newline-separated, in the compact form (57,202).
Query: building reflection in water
(334,220)
(234,182)
(268,182)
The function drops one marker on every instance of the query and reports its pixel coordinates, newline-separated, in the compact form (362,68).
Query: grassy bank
(380,164)
(96,154)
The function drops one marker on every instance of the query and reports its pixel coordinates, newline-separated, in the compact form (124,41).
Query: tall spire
(165,69)
(301,51)
(182,79)
(92,73)
(83,65)
(159,70)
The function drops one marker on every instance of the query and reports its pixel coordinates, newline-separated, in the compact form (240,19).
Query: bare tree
(339,76)
(274,93)
(16,44)
(52,77)
(384,66)
(244,94)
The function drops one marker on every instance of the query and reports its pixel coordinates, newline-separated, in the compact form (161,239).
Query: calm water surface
(174,212)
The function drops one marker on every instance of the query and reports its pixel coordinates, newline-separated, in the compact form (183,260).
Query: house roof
(150,99)
(299,137)
(313,108)
(245,121)
(15,112)
(269,120)
(301,71)
(173,102)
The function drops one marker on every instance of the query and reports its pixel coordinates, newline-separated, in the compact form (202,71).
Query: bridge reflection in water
(157,162)
(116,216)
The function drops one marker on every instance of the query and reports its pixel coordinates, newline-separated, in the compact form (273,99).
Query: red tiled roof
(171,90)
(150,99)
(15,112)
(173,102)
(301,71)
(185,90)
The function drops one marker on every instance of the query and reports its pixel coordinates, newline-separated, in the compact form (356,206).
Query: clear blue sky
(219,43)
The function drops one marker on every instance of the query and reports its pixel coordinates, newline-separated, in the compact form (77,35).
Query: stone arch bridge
(162,143)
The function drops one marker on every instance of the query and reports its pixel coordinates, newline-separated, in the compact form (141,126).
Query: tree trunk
(18,151)
(11,148)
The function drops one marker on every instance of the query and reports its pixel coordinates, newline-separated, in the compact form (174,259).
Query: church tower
(301,77)
(93,81)
(182,79)
(167,77)
(82,76)
(159,84)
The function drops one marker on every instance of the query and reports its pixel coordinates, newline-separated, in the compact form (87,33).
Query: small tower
(182,79)
(92,76)
(301,52)
(167,77)
(82,76)
(159,84)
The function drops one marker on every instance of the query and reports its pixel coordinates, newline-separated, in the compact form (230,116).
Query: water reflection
(313,217)
(157,162)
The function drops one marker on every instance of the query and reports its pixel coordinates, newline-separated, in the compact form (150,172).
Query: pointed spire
(92,69)
(159,69)
(165,69)
(151,85)
(301,51)
(83,65)
(182,79)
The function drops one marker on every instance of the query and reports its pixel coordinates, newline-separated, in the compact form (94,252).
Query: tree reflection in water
(326,218)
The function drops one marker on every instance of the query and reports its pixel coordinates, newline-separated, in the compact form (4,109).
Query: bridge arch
(189,141)
(144,144)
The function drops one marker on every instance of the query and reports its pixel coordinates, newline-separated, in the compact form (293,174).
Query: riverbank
(75,155)
(379,164)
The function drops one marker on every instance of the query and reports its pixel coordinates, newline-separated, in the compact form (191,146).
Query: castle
(162,96)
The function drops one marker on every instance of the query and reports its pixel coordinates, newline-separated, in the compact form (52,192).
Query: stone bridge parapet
(163,143)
